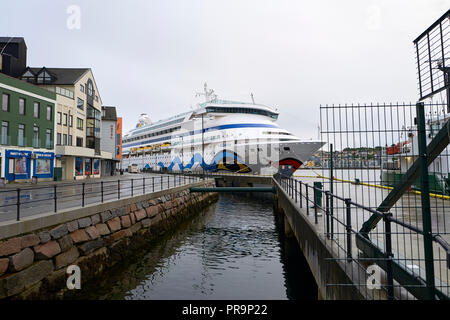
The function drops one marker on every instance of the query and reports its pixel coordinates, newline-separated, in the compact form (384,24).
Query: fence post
(168,181)
(132,185)
(348,228)
(55,198)
(301,197)
(82,194)
(315,204)
(161,182)
(118,189)
(296,182)
(102,189)
(307,199)
(389,255)
(143,185)
(153,184)
(18,204)
(327,212)
(425,199)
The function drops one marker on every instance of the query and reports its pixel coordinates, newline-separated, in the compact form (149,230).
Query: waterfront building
(77,119)
(111,140)
(27,131)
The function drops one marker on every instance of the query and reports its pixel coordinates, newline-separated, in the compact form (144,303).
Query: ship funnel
(144,119)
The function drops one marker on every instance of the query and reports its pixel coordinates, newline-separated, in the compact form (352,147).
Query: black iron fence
(382,275)
(21,202)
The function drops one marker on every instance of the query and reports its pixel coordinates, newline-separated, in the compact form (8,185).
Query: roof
(12,40)
(63,76)
(110,113)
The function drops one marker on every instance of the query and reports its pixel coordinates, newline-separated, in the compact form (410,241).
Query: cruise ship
(218,135)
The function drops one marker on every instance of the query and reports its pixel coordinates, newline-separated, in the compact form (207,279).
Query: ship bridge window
(275,132)
(242,110)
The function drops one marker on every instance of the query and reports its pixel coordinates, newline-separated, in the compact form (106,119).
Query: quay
(36,250)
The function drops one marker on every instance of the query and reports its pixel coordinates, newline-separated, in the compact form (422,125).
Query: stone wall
(33,265)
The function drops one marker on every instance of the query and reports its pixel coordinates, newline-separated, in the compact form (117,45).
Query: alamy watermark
(74,279)
(374,278)
(73,21)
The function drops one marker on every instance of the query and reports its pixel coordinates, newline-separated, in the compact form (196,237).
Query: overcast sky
(151,56)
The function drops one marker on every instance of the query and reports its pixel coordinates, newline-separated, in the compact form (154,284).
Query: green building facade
(27,133)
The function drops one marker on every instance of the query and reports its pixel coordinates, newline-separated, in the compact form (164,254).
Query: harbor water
(235,249)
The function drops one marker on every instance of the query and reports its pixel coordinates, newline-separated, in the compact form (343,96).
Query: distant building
(27,130)
(111,140)
(78,119)
(13,57)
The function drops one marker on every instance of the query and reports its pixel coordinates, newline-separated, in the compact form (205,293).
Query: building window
(5,102)
(49,112)
(64,139)
(79,142)
(70,120)
(70,140)
(64,92)
(81,88)
(65,119)
(48,138)
(80,124)
(58,120)
(58,139)
(36,110)
(21,135)
(21,106)
(4,138)
(78,166)
(36,137)
(80,104)
(90,89)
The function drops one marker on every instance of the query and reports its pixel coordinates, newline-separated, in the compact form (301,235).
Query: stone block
(132,218)
(118,212)
(72,225)
(79,236)
(65,242)
(114,224)
(152,211)
(66,258)
(16,282)
(47,250)
(95,219)
(4,262)
(30,240)
(92,232)
(21,260)
(146,222)
(126,221)
(90,246)
(140,214)
(106,216)
(59,231)
(102,229)
(44,236)
(10,246)
(84,222)
(132,207)
(135,227)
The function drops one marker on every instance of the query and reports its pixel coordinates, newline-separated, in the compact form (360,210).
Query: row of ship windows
(211,138)
(151,134)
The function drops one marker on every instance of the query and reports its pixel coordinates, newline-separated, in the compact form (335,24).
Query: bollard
(101,186)
(132,180)
(153,184)
(118,189)
(143,185)
(317,194)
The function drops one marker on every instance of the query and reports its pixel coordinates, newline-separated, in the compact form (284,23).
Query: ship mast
(208,93)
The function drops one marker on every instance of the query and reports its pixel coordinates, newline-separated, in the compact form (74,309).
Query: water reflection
(232,250)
